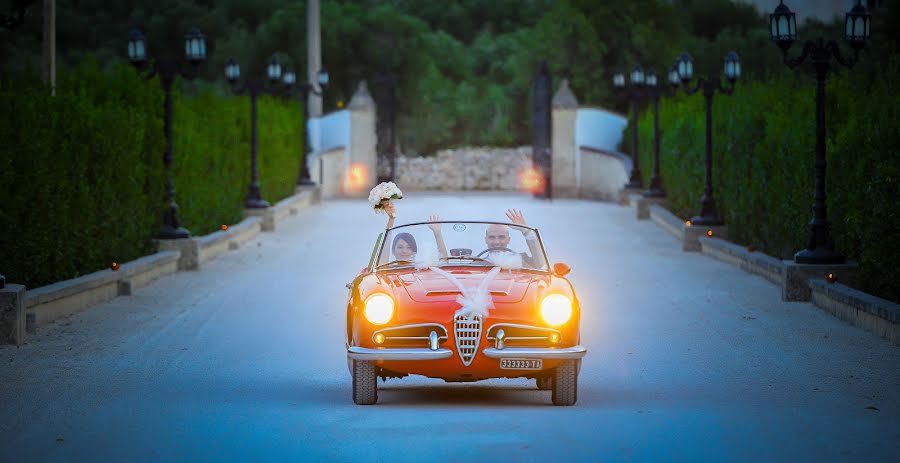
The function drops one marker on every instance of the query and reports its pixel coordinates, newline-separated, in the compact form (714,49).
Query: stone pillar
(363,159)
(12,314)
(565,109)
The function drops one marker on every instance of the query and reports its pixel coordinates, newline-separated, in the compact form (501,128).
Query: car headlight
(379,308)
(556,309)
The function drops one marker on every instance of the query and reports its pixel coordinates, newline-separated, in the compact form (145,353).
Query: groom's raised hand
(515,216)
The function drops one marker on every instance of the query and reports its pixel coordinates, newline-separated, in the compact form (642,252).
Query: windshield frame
(374,267)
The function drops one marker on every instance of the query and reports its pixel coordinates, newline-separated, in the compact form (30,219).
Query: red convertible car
(463,301)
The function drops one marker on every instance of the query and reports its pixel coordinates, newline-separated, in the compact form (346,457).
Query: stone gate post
(565,109)
(362,175)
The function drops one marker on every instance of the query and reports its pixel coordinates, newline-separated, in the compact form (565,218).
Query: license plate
(520,364)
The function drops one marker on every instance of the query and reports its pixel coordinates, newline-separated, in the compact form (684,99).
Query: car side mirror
(561,269)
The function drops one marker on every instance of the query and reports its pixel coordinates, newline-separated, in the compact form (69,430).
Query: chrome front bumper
(424,353)
(562,353)
(407,353)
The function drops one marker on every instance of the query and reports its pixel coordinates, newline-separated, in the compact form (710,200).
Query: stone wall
(473,168)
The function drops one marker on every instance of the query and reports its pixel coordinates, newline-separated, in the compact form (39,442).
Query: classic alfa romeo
(490,306)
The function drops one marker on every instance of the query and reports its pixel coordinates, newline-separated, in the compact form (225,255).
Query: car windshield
(462,243)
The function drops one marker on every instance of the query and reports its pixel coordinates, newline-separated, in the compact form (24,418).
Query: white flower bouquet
(382,193)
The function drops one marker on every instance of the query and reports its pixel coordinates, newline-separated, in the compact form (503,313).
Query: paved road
(689,359)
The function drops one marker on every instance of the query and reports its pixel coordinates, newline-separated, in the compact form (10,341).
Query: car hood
(429,286)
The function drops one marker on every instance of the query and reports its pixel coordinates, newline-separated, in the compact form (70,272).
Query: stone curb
(217,243)
(667,220)
(50,302)
(59,299)
(855,307)
(754,262)
(871,313)
(279,211)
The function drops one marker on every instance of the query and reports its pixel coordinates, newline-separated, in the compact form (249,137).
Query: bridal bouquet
(382,193)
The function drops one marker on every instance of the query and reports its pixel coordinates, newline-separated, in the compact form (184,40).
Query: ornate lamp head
(137,48)
(858,26)
(783,26)
(195,47)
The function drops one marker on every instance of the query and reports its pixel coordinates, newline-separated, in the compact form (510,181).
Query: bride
(403,245)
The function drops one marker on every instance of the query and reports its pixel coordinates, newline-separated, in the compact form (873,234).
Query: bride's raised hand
(435,227)
(389,209)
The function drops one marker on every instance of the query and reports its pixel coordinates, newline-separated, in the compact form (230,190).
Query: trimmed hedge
(763,165)
(211,162)
(81,177)
(82,182)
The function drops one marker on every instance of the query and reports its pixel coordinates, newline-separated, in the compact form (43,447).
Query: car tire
(565,383)
(365,383)
(544,383)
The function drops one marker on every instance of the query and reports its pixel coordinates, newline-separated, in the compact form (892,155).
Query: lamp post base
(172,233)
(707,221)
(256,203)
(819,256)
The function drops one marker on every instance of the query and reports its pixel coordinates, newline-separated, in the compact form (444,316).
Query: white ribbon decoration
(431,258)
(507,260)
(472,301)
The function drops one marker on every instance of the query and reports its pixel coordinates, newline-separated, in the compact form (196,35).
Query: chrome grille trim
(425,328)
(468,334)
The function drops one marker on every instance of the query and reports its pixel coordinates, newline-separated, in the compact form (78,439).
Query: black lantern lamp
(232,71)
(195,46)
(637,76)
(289,79)
(783,26)
(685,64)
(273,83)
(858,24)
(635,93)
(732,67)
(322,77)
(655,91)
(650,79)
(820,247)
(137,48)
(169,67)
(674,79)
(273,70)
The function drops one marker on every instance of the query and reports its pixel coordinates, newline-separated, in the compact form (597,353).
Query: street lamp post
(819,245)
(655,92)
(710,85)
(305,89)
(634,92)
(254,86)
(168,68)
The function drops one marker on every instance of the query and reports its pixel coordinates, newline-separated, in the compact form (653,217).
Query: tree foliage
(463,68)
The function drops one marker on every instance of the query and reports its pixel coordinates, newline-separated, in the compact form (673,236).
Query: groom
(497,237)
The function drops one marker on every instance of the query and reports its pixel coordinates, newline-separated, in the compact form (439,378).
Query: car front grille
(468,334)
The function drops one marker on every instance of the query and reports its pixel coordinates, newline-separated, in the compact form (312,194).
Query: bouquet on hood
(382,194)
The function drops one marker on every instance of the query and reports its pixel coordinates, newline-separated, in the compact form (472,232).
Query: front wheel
(565,383)
(365,383)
